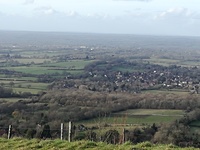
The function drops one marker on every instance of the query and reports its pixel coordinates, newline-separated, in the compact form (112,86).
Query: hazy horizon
(138,17)
(98,33)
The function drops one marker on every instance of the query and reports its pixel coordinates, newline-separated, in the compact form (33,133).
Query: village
(153,77)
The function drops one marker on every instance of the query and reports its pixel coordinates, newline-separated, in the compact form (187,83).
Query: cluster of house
(102,77)
(138,81)
(134,82)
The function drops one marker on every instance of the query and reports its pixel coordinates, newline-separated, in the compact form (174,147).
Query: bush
(111,137)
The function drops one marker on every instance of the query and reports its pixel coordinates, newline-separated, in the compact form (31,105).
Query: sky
(149,17)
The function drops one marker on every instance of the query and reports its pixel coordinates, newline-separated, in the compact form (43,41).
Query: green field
(36,144)
(165,91)
(131,120)
(32,60)
(73,66)
(164,112)
(138,117)
(34,85)
(31,90)
(13,99)
(24,84)
(4,79)
(168,62)
(30,84)
(34,70)
(31,87)
(163,62)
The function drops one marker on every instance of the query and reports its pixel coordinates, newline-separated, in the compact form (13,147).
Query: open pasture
(29,90)
(168,62)
(32,85)
(190,63)
(156,112)
(24,84)
(171,91)
(16,79)
(138,117)
(71,64)
(115,120)
(74,66)
(13,99)
(35,70)
(32,60)
(162,61)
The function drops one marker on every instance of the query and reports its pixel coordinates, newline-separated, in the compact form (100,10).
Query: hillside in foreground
(25,144)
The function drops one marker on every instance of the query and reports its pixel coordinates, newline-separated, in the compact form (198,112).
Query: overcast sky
(157,17)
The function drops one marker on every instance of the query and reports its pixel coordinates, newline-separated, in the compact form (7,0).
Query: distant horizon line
(79,32)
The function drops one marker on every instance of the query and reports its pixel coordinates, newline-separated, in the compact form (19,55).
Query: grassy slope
(35,144)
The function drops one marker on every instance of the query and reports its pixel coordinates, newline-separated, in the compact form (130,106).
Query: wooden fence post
(123,136)
(61,131)
(9,131)
(70,131)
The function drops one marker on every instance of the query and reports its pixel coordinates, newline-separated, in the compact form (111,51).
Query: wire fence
(47,132)
(68,132)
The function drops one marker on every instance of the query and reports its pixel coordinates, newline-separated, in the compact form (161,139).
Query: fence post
(123,136)
(61,131)
(70,131)
(9,131)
